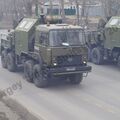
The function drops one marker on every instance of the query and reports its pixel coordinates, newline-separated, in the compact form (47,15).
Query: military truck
(104,44)
(46,52)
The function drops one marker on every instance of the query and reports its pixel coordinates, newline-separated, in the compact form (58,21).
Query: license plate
(71,69)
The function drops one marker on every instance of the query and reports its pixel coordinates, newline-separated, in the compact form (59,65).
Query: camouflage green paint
(112,33)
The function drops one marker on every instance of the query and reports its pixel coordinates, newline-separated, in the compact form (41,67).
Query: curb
(17,108)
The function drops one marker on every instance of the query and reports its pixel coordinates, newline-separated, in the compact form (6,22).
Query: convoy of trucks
(54,50)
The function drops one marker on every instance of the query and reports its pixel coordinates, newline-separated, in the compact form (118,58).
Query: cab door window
(43,39)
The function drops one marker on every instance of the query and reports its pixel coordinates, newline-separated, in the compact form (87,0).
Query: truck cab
(62,50)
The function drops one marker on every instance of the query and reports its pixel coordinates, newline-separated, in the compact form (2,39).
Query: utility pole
(15,18)
(36,8)
(109,3)
(78,13)
(83,11)
(51,8)
(62,10)
(29,8)
(83,8)
(15,10)
(41,7)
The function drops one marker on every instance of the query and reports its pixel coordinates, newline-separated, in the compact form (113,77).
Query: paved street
(97,98)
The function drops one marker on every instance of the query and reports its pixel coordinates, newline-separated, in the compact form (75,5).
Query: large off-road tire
(118,61)
(4,58)
(96,56)
(11,62)
(28,70)
(40,79)
(89,54)
(76,79)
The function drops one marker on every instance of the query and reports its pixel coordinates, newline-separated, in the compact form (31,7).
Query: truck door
(43,40)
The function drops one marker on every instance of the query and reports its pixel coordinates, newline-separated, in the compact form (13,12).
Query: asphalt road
(97,98)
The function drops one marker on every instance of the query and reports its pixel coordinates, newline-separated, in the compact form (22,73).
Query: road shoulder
(12,110)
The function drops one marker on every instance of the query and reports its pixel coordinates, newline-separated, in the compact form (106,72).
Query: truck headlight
(84,62)
(55,64)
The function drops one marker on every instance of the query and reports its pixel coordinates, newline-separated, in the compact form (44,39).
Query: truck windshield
(66,38)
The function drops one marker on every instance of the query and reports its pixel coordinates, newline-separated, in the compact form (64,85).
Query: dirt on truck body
(46,51)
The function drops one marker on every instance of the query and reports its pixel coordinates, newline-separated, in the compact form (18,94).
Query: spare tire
(96,56)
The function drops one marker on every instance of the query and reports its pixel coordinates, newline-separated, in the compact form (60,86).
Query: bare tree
(78,13)
(84,13)
(62,10)
(83,8)
(29,8)
(51,8)
(111,7)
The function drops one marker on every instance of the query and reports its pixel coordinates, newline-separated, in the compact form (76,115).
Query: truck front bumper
(69,70)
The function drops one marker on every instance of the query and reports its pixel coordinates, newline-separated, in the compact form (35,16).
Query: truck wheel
(28,70)
(39,78)
(4,59)
(76,79)
(96,56)
(11,62)
(89,54)
(119,61)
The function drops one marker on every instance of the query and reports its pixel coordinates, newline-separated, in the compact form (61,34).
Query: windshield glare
(70,37)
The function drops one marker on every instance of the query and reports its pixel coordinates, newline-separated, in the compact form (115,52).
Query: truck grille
(69,60)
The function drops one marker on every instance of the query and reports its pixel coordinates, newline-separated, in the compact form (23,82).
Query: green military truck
(104,44)
(46,52)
